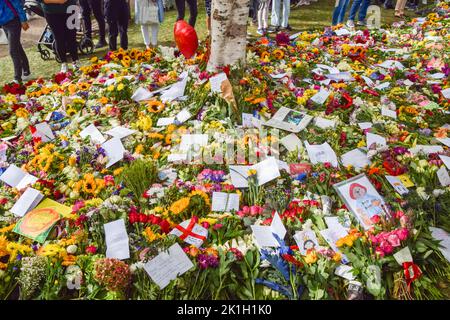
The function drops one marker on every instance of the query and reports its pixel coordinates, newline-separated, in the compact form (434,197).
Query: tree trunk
(228,33)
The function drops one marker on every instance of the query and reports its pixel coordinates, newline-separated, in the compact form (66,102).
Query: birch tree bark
(228,33)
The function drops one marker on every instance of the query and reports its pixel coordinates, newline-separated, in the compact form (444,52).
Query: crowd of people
(149,14)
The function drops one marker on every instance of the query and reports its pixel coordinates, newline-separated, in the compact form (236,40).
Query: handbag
(149,12)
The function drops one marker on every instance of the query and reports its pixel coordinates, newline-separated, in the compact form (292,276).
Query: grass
(317,15)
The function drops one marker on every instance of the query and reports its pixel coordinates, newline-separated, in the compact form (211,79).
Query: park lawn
(317,15)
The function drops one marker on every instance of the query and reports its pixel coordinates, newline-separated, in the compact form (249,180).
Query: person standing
(263,16)
(400,8)
(149,14)
(12,20)
(208,15)
(117,14)
(362,6)
(57,15)
(339,11)
(280,14)
(95,7)
(181,8)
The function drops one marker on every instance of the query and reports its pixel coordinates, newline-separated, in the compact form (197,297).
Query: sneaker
(101,44)
(350,24)
(16,81)
(288,28)
(76,65)
(64,67)
(260,32)
(27,76)
(273,29)
(362,23)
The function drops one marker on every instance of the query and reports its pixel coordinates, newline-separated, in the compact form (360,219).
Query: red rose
(133,217)
(143,218)
(165,226)
(91,249)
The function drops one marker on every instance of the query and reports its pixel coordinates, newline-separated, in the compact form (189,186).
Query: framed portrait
(362,199)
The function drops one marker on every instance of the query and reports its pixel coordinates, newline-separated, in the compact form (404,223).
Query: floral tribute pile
(89,213)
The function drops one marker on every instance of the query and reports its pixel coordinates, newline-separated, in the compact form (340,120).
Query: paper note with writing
(92,132)
(225,202)
(264,234)
(355,158)
(116,238)
(443,176)
(321,153)
(403,255)
(239,175)
(44,131)
(183,116)
(306,240)
(167,266)
(289,120)
(247,120)
(194,141)
(176,90)
(216,82)
(27,202)
(267,170)
(120,132)
(397,184)
(114,150)
(17,178)
(141,94)
(444,238)
(446,160)
(320,97)
(324,123)
(291,142)
(426,149)
(365,125)
(385,111)
(338,222)
(445,141)
(446,93)
(345,272)
(375,140)
(191,232)
(332,235)
(368,81)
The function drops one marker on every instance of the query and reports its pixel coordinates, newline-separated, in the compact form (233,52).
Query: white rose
(71,249)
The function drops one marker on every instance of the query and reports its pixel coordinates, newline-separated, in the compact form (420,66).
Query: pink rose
(379,252)
(394,240)
(205,224)
(254,210)
(375,219)
(240,213)
(246,210)
(402,233)
(373,239)
(386,247)
(404,220)
(399,214)
(217,226)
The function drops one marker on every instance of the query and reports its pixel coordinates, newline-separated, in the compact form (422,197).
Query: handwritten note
(27,202)
(225,202)
(92,132)
(116,238)
(17,178)
(264,234)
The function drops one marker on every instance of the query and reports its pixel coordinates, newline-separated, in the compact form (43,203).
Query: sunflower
(180,205)
(201,194)
(278,54)
(155,106)
(265,55)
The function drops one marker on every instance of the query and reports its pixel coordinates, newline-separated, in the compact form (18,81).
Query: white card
(183,116)
(267,170)
(193,140)
(324,123)
(175,157)
(403,255)
(95,134)
(44,131)
(397,184)
(27,202)
(438,75)
(116,238)
(167,266)
(195,236)
(239,175)
(114,150)
(291,142)
(225,202)
(446,160)
(332,235)
(120,132)
(446,93)
(216,82)
(247,120)
(17,178)
(376,139)
(342,32)
(443,176)
(289,120)
(426,149)
(365,125)
(444,238)
(445,141)
(141,94)
(162,122)
(320,97)
(389,64)
(321,153)
(368,81)
(385,111)
(345,272)
(382,86)
(306,240)
(264,234)
(176,90)
(356,158)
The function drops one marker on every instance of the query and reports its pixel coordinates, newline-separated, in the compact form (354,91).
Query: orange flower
(441,133)
(155,106)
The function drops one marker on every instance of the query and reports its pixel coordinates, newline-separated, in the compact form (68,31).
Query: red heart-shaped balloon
(185,38)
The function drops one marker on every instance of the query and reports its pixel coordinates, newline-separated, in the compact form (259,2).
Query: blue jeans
(362,5)
(339,12)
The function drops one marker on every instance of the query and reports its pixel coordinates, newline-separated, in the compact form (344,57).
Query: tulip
(394,240)
(402,233)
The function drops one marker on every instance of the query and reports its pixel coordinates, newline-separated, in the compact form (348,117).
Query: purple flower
(425,131)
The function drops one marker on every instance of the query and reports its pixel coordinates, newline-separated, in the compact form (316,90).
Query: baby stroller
(47,44)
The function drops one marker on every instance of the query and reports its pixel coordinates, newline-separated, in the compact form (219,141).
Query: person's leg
(24,60)
(286,13)
(343,10)
(181,9)
(111,10)
(336,12)
(86,12)
(265,15)
(275,18)
(399,7)
(57,23)
(145,34)
(363,10)
(71,40)
(96,6)
(123,18)
(155,29)
(13,30)
(192,12)
(353,9)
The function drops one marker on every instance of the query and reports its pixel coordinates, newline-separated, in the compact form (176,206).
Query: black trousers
(117,13)
(65,38)
(181,8)
(95,7)
(13,30)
